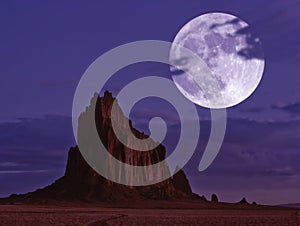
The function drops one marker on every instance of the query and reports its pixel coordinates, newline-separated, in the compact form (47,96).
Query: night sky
(46,47)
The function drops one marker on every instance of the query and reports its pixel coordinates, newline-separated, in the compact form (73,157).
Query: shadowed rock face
(92,186)
(243,201)
(81,183)
(181,182)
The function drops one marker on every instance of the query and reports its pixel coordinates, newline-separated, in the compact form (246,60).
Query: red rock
(181,182)
(81,182)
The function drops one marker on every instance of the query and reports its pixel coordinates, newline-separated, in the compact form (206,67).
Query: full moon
(231,55)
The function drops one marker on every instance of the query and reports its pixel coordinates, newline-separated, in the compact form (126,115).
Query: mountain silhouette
(82,183)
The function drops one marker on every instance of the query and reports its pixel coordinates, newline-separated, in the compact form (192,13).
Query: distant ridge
(292,205)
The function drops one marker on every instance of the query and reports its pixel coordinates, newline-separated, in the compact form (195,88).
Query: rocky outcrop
(243,201)
(81,182)
(214,198)
(181,182)
(104,118)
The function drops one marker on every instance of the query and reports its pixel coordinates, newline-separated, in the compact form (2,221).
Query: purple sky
(46,47)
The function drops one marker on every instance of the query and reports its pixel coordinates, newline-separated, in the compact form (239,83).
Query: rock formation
(80,182)
(243,201)
(214,198)
(181,182)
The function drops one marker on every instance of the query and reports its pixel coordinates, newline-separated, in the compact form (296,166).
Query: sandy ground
(51,215)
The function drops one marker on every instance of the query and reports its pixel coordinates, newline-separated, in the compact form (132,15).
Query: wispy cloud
(9,164)
(292,108)
(22,171)
(285,171)
(252,110)
(33,143)
(253,148)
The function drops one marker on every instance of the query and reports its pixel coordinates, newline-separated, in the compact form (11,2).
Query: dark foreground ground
(85,215)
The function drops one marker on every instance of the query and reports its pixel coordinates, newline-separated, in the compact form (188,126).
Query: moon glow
(231,54)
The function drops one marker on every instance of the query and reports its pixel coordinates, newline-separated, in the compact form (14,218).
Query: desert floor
(66,215)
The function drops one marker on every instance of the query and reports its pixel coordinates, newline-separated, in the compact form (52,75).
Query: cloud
(252,148)
(32,144)
(253,110)
(33,152)
(22,171)
(293,108)
(9,164)
(278,18)
(286,171)
(255,156)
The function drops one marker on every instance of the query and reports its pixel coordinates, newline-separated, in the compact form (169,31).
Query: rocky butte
(81,183)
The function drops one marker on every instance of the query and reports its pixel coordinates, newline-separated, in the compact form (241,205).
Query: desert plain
(146,214)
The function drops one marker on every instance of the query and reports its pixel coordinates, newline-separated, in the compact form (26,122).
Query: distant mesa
(81,183)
